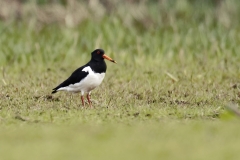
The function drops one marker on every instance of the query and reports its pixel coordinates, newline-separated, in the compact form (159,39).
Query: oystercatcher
(87,77)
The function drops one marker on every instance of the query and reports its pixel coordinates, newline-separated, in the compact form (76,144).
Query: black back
(97,64)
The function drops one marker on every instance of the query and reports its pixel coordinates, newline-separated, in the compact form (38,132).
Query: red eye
(98,52)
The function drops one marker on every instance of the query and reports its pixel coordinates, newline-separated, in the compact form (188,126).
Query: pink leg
(82,101)
(89,101)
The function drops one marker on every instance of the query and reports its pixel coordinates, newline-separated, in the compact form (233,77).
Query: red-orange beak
(108,58)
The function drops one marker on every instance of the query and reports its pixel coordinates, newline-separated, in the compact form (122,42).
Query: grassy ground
(178,67)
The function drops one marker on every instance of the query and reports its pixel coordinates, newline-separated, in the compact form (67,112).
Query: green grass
(163,139)
(178,67)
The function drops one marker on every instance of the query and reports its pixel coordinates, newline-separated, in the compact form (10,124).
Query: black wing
(76,77)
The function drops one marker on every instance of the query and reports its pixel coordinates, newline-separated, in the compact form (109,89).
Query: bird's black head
(99,55)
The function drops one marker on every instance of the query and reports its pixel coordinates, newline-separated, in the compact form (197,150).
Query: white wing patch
(87,69)
(91,81)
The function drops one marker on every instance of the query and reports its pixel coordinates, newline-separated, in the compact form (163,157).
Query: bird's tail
(54,91)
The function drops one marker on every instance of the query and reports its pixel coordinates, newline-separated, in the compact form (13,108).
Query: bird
(86,78)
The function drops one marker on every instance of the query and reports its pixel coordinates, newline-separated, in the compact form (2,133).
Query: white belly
(91,81)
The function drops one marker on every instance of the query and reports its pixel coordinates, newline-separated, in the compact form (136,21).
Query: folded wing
(76,77)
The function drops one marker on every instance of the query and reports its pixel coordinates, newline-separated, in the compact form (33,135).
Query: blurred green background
(168,27)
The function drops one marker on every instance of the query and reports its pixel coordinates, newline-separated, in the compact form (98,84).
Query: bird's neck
(98,66)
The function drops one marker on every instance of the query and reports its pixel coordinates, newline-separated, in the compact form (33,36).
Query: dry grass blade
(171,76)
(234,109)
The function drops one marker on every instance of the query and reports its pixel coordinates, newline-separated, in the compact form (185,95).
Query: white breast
(91,81)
